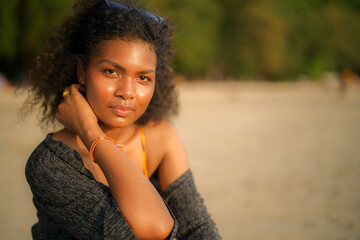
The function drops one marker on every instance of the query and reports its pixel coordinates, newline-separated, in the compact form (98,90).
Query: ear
(80,72)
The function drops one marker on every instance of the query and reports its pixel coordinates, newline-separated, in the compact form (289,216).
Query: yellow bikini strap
(144,151)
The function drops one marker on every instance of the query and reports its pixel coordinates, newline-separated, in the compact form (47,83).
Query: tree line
(257,39)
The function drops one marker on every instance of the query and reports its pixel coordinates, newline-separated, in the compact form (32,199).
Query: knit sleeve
(79,205)
(71,199)
(194,221)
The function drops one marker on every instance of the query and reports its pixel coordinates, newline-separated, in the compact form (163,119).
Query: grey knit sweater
(71,204)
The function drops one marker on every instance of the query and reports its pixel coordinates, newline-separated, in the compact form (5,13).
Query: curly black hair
(78,38)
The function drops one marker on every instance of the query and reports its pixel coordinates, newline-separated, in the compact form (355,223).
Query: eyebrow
(114,64)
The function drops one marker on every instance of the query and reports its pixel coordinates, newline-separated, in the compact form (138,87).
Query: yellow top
(144,152)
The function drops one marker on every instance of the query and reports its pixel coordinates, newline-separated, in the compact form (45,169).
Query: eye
(144,79)
(111,72)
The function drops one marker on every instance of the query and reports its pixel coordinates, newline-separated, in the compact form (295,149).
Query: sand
(272,160)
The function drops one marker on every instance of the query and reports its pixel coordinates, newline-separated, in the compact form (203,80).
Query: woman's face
(120,81)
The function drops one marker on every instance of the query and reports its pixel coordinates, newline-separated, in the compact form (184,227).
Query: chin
(118,123)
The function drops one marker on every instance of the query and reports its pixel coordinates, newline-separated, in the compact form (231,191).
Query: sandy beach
(272,160)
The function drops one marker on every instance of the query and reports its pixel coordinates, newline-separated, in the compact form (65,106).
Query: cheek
(100,89)
(98,96)
(145,95)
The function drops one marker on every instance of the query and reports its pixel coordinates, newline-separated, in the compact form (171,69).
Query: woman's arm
(135,196)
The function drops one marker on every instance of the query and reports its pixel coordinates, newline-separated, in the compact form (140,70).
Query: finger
(66,92)
(78,90)
(75,88)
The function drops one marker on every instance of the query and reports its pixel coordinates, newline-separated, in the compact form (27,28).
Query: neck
(120,135)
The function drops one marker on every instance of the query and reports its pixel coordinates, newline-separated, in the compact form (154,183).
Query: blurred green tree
(340,29)
(197,33)
(24,26)
(8,26)
(321,36)
(9,35)
(254,39)
(274,39)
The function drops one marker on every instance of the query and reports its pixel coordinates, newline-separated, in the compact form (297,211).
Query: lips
(122,111)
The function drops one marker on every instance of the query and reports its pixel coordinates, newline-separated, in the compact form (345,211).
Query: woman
(105,76)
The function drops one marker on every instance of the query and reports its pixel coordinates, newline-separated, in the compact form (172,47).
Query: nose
(125,88)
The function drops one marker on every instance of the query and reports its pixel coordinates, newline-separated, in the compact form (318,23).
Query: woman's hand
(75,113)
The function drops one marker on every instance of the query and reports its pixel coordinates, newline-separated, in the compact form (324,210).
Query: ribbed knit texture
(71,204)
(189,209)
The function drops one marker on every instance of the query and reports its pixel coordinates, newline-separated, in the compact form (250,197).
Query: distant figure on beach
(118,169)
(4,83)
(348,79)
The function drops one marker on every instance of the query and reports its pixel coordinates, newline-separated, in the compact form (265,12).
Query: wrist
(89,135)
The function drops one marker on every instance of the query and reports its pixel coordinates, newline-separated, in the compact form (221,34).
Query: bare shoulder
(70,139)
(63,135)
(159,140)
(160,129)
(164,138)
